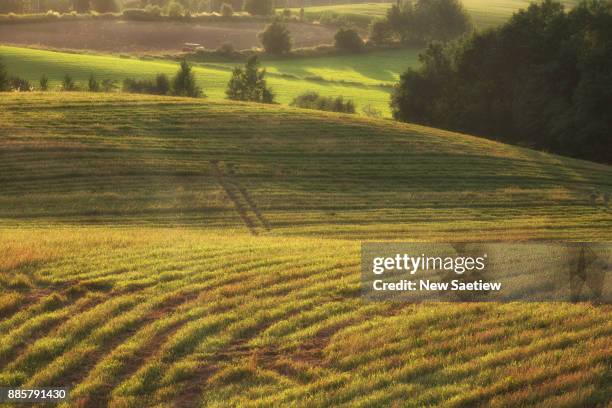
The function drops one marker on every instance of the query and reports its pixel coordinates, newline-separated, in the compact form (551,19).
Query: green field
(178,252)
(288,78)
(360,14)
(484,13)
(147,160)
(374,68)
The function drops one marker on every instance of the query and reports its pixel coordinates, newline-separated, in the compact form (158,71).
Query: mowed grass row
(75,158)
(287,80)
(484,13)
(174,317)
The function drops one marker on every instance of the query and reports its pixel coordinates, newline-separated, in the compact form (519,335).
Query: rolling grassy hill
(288,79)
(178,252)
(484,13)
(94,158)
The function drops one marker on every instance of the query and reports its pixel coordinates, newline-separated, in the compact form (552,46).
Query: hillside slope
(99,294)
(123,159)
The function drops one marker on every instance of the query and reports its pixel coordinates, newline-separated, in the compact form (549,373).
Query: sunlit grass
(127,274)
(31,64)
(484,13)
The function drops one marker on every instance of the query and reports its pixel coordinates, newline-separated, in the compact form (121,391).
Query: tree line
(420,21)
(175,8)
(543,80)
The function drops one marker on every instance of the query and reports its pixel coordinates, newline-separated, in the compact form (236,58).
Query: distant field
(130,269)
(485,13)
(373,68)
(359,14)
(119,36)
(31,64)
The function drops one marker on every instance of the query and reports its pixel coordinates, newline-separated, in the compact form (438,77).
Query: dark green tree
(43,83)
(543,80)
(93,85)
(275,38)
(248,83)
(184,83)
(380,32)
(348,39)
(162,84)
(68,84)
(422,21)
(108,85)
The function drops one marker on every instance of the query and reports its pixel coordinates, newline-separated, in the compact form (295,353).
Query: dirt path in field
(242,200)
(136,36)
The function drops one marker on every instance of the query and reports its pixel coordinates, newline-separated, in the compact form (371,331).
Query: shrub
(286,13)
(20,84)
(43,83)
(370,111)
(312,100)
(108,85)
(348,39)
(248,84)
(184,84)
(68,84)
(149,14)
(227,50)
(159,86)
(92,84)
(275,38)
(380,32)
(162,84)
(132,85)
(226,10)
(259,7)
(175,9)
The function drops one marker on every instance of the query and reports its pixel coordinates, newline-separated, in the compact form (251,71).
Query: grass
(484,13)
(97,158)
(284,80)
(130,269)
(373,68)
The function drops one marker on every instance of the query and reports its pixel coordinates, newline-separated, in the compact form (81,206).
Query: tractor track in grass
(249,199)
(242,200)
